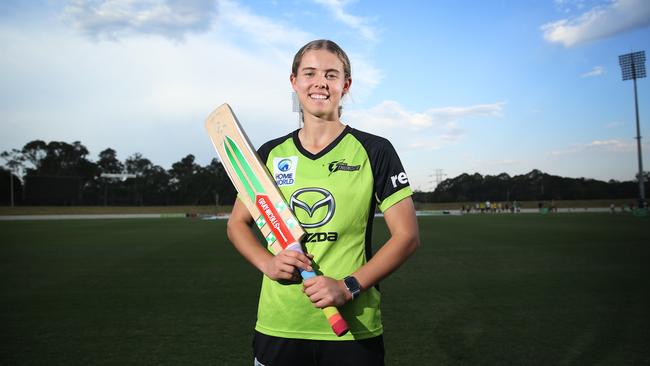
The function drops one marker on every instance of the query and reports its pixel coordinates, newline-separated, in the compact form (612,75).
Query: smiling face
(320,83)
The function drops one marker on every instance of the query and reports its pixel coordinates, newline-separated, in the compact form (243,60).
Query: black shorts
(275,351)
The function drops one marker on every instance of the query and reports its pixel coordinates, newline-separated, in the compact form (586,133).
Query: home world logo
(284,170)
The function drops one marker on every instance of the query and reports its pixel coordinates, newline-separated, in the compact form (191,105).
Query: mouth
(316,96)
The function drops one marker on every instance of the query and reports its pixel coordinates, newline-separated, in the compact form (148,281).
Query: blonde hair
(320,44)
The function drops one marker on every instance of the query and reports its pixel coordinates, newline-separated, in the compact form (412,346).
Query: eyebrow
(326,71)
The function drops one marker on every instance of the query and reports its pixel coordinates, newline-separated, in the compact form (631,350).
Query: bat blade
(260,194)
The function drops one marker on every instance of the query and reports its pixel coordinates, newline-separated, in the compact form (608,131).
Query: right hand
(284,265)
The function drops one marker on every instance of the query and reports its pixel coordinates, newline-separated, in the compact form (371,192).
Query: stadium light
(633,67)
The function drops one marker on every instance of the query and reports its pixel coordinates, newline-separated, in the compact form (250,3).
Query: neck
(318,133)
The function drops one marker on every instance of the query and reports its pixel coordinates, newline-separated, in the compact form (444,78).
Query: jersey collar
(327,148)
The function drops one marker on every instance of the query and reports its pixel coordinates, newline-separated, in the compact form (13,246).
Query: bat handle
(338,324)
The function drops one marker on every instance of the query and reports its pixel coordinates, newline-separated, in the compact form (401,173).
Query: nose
(321,82)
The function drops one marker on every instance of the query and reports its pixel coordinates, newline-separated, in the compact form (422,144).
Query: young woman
(334,177)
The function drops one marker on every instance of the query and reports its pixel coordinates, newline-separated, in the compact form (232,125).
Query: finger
(310,282)
(312,286)
(295,258)
(297,255)
(313,295)
(322,301)
(309,291)
(321,304)
(289,269)
(293,253)
(281,270)
(300,265)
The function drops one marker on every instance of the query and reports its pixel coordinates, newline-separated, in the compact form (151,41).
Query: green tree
(221,186)
(108,162)
(14,165)
(152,181)
(58,172)
(33,153)
(183,182)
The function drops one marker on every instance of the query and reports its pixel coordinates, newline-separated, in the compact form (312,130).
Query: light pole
(633,67)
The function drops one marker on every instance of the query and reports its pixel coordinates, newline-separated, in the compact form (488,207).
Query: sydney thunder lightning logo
(341,165)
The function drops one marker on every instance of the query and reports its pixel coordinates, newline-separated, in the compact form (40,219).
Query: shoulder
(369,140)
(267,147)
(373,144)
(390,181)
(376,147)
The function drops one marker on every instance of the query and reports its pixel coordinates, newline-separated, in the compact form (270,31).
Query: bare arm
(404,241)
(279,267)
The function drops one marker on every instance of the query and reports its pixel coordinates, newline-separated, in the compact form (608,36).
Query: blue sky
(462,86)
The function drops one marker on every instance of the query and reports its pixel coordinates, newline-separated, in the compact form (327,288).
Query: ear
(292,80)
(347,85)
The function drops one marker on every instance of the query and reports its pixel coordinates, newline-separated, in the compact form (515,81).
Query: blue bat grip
(307,274)
(297,248)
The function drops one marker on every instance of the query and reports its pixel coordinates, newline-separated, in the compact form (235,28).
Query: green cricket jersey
(334,195)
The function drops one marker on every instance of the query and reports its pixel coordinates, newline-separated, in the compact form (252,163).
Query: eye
(331,76)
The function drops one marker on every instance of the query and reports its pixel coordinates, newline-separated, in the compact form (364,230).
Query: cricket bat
(260,194)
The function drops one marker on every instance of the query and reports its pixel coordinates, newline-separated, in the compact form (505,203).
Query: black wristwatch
(353,286)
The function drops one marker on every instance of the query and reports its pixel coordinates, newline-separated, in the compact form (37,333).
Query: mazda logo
(304,199)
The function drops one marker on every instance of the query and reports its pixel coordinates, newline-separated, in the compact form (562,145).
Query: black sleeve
(388,172)
(265,149)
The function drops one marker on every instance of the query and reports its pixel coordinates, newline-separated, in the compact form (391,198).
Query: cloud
(567,6)
(365,76)
(601,21)
(447,114)
(251,27)
(431,129)
(116,19)
(360,24)
(596,71)
(614,124)
(113,93)
(611,145)
(390,114)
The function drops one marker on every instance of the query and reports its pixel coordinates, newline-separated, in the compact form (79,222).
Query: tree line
(533,186)
(61,173)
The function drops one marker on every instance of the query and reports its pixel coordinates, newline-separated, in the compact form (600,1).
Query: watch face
(353,285)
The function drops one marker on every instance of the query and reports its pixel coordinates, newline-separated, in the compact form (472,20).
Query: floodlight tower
(633,67)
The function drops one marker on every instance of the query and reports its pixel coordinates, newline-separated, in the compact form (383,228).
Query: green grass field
(566,289)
